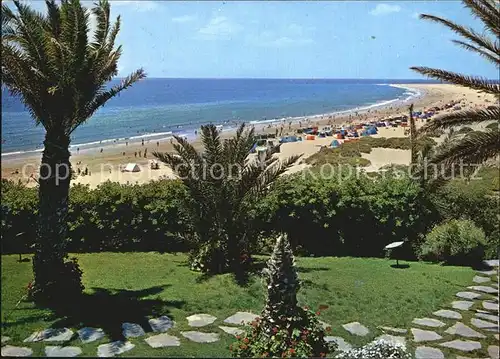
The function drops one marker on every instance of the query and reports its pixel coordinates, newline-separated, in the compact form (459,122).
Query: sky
(325,39)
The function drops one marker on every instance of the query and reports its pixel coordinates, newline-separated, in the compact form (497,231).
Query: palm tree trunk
(49,265)
(413,132)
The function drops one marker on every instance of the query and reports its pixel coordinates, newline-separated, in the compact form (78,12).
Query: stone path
(451,331)
(482,310)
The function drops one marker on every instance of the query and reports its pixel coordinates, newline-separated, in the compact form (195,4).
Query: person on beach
(78,150)
(142,142)
(157,144)
(135,154)
(145,152)
(126,143)
(195,133)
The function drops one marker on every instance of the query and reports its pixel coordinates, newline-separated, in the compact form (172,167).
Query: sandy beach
(105,165)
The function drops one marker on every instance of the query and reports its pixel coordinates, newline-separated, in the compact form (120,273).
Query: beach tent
(364,133)
(132,167)
(372,131)
(335,144)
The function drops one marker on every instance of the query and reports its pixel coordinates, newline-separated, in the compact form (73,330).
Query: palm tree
(479,146)
(60,74)
(224,184)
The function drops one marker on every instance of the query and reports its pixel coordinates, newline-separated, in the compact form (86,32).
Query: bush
(347,215)
(380,349)
(457,242)
(112,217)
(464,130)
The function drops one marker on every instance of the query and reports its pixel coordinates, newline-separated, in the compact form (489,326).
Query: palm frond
(460,118)
(475,83)
(103,97)
(488,56)
(474,148)
(488,11)
(468,33)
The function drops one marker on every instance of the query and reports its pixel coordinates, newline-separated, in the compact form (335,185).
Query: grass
(128,286)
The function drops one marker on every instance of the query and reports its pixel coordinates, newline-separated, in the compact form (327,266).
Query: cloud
(141,6)
(292,35)
(219,27)
(416,15)
(384,9)
(183,19)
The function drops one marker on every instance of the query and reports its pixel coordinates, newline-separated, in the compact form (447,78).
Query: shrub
(493,126)
(380,349)
(464,130)
(284,329)
(347,215)
(454,242)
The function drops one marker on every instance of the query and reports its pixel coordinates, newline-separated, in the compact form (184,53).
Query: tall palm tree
(224,184)
(478,146)
(61,74)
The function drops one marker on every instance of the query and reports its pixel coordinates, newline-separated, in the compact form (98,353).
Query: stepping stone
(493,351)
(239,317)
(490,306)
(482,324)
(199,337)
(50,335)
(132,330)
(161,324)
(492,262)
(356,329)
(428,322)
(493,318)
(479,279)
(468,295)
(11,351)
(163,340)
(394,330)
(342,345)
(462,304)
(62,351)
(392,339)
(488,272)
(463,345)
(464,331)
(428,353)
(113,348)
(420,335)
(449,314)
(484,289)
(232,330)
(200,320)
(5,339)
(88,334)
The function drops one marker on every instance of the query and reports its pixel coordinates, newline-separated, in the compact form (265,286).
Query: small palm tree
(479,146)
(224,184)
(61,75)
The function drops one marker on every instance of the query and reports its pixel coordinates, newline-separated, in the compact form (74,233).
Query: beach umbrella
(335,144)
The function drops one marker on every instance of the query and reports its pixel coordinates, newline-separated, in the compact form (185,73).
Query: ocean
(155,108)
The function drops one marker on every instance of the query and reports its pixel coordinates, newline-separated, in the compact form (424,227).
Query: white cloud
(383,9)
(141,6)
(415,15)
(184,19)
(293,35)
(219,27)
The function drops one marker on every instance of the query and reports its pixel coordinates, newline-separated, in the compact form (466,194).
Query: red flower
(238,337)
(292,351)
(328,329)
(323,307)
(318,313)
(245,340)
(275,330)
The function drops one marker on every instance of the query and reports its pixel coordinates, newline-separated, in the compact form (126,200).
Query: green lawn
(129,286)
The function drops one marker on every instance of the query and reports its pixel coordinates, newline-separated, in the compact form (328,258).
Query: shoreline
(134,139)
(106,165)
